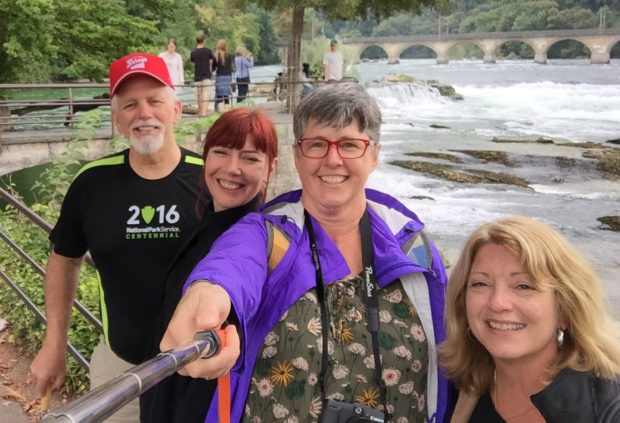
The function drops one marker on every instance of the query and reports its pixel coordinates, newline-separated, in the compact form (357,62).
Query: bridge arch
(507,48)
(404,48)
(416,51)
(467,49)
(374,50)
(614,52)
(599,42)
(554,49)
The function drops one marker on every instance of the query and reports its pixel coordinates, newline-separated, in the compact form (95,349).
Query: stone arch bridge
(600,43)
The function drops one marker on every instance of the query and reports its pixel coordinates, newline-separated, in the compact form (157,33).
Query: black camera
(343,412)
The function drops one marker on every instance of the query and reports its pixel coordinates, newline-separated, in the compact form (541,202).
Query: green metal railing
(20,293)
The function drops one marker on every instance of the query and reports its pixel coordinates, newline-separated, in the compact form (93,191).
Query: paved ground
(18,401)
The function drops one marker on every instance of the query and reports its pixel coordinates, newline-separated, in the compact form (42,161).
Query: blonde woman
(529,337)
(223,66)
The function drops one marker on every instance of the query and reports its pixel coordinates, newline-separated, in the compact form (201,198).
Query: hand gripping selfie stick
(104,401)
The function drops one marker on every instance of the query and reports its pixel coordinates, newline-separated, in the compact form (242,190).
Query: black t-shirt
(182,399)
(223,67)
(133,228)
(485,411)
(200,57)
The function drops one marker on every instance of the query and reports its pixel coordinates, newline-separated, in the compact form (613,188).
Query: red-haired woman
(240,154)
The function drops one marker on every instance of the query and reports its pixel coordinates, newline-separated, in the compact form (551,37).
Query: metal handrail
(36,219)
(32,306)
(103,401)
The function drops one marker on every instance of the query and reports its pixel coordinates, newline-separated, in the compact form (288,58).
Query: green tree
(405,24)
(43,40)
(26,40)
(92,33)
(268,51)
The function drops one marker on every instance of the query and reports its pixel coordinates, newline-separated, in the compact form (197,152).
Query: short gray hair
(171,93)
(337,105)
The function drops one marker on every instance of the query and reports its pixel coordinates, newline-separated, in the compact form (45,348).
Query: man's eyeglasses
(317,148)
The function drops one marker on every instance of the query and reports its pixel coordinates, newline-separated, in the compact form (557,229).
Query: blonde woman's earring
(560,337)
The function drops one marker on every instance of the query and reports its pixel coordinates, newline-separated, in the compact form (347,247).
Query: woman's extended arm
(204,306)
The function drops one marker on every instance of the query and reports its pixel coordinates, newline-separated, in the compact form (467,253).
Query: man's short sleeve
(68,236)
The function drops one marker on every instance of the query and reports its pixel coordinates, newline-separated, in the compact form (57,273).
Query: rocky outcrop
(488,156)
(610,222)
(445,90)
(472,176)
(608,159)
(400,77)
(442,156)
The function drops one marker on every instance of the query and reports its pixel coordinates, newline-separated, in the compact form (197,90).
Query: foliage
(405,24)
(50,187)
(44,40)
(268,49)
(47,40)
(103,32)
(27,330)
(26,40)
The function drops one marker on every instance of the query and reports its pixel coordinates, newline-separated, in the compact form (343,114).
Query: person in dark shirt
(202,57)
(240,154)
(132,210)
(223,65)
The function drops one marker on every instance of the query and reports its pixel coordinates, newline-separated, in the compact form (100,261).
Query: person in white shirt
(332,63)
(174,63)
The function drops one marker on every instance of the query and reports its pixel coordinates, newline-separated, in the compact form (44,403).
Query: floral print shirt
(285,384)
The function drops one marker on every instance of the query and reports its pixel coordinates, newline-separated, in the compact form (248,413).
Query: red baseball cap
(138,64)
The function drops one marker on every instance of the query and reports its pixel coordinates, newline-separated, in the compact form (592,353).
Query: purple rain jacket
(237,262)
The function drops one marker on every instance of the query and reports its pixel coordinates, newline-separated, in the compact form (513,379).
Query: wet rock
(433,125)
(393,77)
(500,178)
(421,197)
(445,90)
(612,222)
(565,162)
(441,171)
(472,176)
(506,140)
(614,141)
(588,144)
(488,156)
(442,156)
(608,159)
(544,140)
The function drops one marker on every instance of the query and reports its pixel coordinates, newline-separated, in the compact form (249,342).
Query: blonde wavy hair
(592,338)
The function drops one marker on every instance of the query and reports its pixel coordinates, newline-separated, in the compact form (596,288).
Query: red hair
(232,129)
(234,126)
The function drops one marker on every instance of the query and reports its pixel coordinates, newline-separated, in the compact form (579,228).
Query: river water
(566,100)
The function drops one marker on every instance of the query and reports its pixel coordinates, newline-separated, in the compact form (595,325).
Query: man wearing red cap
(133,211)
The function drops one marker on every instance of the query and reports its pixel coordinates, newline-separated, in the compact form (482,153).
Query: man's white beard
(146,144)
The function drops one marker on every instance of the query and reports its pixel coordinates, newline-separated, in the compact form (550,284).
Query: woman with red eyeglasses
(346,323)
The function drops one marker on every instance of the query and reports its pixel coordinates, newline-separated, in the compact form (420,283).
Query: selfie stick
(105,400)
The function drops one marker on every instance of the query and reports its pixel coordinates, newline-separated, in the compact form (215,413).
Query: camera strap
(372,301)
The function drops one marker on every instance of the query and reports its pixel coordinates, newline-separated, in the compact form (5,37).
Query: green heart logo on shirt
(147,214)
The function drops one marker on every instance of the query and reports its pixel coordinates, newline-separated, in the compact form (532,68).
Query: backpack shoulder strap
(277,244)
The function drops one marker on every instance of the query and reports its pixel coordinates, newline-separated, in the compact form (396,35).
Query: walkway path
(18,400)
